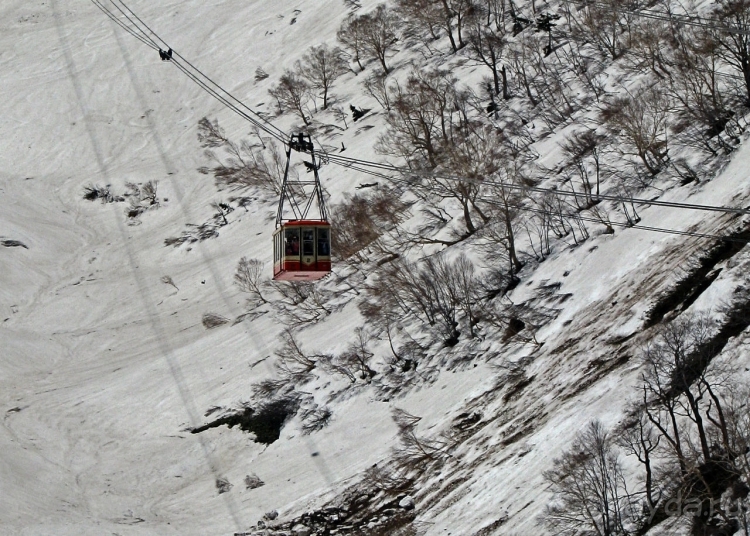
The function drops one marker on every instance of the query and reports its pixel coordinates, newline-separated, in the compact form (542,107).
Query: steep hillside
(527,268)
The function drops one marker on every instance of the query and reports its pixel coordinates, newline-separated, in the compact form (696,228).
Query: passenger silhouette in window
(292,242)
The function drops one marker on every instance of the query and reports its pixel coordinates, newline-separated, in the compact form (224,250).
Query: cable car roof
(303,223)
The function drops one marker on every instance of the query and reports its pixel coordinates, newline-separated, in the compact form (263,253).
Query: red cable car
(301,245)
(302,250)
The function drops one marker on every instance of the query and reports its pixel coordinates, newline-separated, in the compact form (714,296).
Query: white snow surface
(103,367)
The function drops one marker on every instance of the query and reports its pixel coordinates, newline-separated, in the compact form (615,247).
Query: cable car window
(291,245)
(308,241)
(324,246)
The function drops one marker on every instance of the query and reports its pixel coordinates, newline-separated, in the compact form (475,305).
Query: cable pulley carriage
(301,242)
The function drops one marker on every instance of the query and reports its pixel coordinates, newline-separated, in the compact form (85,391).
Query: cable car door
(308,261)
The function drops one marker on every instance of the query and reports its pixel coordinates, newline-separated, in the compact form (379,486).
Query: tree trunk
(495,76)
(467,217)
(515,264)
(449,30)
(699,425)
(381,57)
(506,93)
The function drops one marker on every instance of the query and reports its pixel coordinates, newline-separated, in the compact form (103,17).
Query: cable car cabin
(302,250)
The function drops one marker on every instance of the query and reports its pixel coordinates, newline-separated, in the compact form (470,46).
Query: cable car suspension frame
(301,242)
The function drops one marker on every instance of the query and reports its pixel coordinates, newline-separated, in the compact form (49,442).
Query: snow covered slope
(104,367)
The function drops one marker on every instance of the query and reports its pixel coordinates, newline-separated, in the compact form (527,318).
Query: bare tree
(456,14)
(420,16)
(642,122)
(734,38)
(340,115)
(292,93)
(474,156)
(560,99)
(650,45)
(487,47)
(293,364)
(507,196)
(436,291)
(351,35)
(606,23)
(354,362)
(93,192)
(321,66)
(249,278)
(315,419)
(420,118)
(379,89)
(384,310)
(564,217)
(379,34)
(520,55)
(493,10)
(362,219)
(240,165)
(580,148)
(588,487)
(467,291)
(450,15)
(300,303)
(142,198)
(697,86)
(585,65)
(414,452)
(640,438)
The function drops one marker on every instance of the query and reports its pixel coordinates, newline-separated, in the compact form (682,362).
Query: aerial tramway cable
(625,225)
(146,35)
(121,24)
(687,20)
(634,200)
(361,165)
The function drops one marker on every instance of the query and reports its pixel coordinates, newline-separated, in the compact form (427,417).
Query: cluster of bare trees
(702,71)
(296,303)
(549,65)
(438,291)
(361,220)
(142,197)
(435,127)
(588,486)
(689,433)
(240,165)
(372,35)
(311,79)
(469,162)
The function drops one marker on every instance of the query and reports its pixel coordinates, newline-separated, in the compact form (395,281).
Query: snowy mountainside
(106,362)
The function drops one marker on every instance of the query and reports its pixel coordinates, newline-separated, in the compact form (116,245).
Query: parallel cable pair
(578,216)
(687,20)
(136,27)
(143,32)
